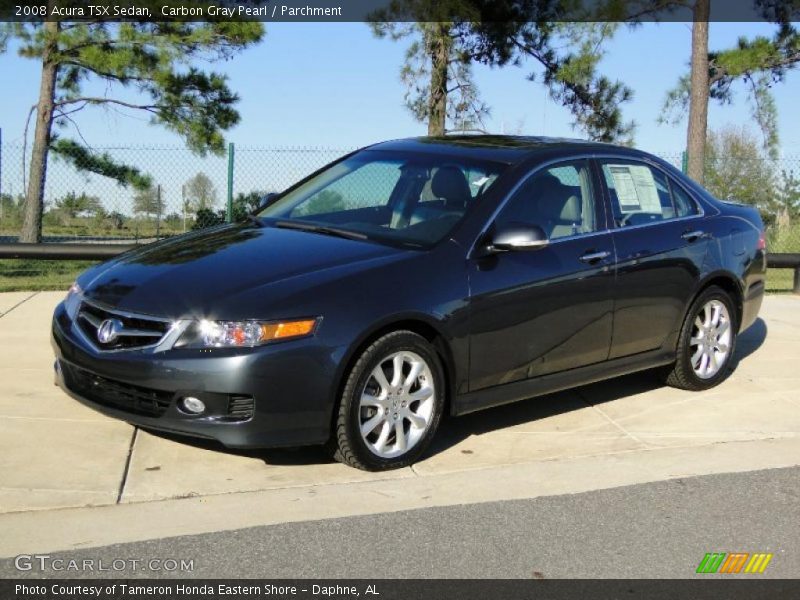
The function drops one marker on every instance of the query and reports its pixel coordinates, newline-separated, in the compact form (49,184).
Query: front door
(542,311)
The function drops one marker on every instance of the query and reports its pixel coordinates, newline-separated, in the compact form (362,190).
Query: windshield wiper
(324,229)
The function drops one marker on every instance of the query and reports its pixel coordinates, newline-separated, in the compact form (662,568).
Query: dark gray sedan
(414,279)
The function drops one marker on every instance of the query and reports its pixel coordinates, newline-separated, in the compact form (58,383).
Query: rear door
(660,246)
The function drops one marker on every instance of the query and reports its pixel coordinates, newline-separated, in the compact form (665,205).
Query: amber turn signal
(287,329)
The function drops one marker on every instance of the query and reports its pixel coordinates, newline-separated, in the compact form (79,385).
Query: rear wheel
(707,342)
(391,404)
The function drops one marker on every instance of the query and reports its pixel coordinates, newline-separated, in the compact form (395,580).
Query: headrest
(572,210)
(450,184)
(547,182)
(551,195)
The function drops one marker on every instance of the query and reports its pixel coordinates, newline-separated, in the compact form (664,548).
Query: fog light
(192,405)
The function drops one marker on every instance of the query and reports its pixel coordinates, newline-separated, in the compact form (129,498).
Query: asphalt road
(650,530)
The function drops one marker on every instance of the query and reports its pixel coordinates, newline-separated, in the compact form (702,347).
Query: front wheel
(391,404)
(707,342)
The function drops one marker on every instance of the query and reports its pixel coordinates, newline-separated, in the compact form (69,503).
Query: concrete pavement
(652,530)
(70,477)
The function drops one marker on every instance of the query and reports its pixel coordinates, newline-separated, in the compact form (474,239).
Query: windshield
(413,199)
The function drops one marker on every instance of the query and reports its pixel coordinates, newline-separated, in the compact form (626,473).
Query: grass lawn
(780,281)
(37,275)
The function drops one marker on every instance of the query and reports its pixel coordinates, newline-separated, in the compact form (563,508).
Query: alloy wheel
(710,344)
(397,404)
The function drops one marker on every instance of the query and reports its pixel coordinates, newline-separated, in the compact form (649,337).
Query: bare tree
(200,193)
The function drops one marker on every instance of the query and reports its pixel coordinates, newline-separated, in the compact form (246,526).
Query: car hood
(205,272)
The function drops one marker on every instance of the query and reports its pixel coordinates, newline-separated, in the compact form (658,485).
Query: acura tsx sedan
(411,280)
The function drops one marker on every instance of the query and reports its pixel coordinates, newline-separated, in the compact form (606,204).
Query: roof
(504,148)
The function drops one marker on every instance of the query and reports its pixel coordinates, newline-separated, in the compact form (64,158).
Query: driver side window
(558,199)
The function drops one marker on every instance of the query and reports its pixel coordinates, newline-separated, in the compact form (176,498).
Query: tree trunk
(37,173)
(698,102)
(440,45)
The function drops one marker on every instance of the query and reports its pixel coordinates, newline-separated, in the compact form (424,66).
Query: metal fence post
(158,211)
(797,280)
(229,212)
(684,162)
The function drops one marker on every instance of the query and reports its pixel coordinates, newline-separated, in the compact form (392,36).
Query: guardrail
(786,261)
(105,251)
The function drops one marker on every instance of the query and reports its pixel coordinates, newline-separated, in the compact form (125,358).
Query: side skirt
(555,382)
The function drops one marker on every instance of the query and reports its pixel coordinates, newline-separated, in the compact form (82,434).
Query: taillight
(762,241)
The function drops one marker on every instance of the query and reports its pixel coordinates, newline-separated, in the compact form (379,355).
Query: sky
(336,85)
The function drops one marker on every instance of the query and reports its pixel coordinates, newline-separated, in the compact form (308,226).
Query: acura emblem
(109,330)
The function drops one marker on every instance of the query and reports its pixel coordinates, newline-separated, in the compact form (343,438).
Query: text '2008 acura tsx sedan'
(413,279)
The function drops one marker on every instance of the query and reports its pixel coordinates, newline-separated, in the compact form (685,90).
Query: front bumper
(289,385)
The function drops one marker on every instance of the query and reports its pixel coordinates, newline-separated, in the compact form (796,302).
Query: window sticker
(636,189)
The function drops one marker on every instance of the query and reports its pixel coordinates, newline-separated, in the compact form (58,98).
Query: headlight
(242,334)
(73,300)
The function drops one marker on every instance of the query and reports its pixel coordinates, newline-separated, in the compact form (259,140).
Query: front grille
(115,394)
(241,407)
(129,331)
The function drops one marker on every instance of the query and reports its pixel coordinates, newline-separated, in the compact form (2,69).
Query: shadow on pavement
(455,430)
(749,341)
(307,455)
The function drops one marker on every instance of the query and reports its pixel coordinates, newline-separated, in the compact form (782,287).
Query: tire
(703,347)
(376,404)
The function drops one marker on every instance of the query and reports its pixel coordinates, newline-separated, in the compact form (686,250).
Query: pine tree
(758,63)
(449,36)
(154,60)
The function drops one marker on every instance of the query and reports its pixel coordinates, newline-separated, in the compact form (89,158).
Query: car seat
(450,187)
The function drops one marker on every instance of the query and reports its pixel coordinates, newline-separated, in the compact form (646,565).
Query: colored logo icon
(734,562)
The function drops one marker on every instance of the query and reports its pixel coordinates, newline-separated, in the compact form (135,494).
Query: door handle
(691,236)
(593,257)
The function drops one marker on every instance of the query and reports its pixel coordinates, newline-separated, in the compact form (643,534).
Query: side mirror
(519,237)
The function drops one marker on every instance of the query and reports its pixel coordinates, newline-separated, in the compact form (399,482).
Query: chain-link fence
(185,192)
(772,185)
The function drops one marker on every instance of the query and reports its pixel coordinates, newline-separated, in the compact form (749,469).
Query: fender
(453,350)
